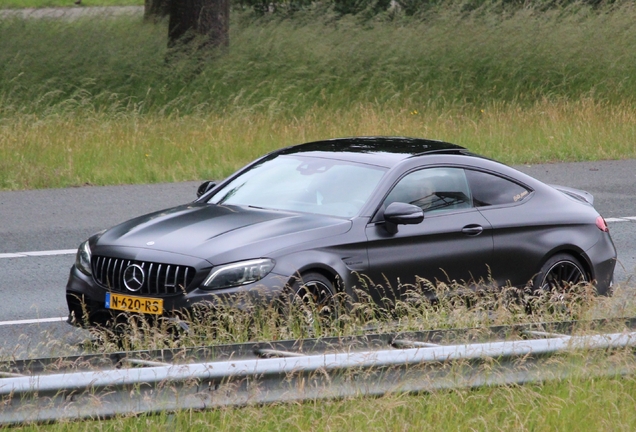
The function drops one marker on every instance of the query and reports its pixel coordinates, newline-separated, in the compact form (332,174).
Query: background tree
(353,7)
(209,19)
(156,9)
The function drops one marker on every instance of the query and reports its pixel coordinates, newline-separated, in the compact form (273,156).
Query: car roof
(382,151)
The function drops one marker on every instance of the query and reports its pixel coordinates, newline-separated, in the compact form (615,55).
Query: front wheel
(314,295)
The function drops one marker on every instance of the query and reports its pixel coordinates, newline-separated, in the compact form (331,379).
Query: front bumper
(86,300)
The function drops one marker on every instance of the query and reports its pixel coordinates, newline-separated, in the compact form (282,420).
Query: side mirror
(205,187)
(399,213)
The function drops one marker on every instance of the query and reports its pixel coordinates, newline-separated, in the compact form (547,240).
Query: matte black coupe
(316,216)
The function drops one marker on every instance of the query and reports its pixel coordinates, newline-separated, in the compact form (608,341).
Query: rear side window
(488,189)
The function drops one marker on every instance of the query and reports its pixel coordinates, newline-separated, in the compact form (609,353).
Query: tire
(315,294)
(560,272)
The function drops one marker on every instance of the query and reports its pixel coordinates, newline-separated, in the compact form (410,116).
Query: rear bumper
(602,258)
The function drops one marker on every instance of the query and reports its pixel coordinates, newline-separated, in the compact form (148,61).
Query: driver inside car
(417,191)
(424,195)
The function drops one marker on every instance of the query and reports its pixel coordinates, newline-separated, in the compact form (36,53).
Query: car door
(517,230)
(453,242)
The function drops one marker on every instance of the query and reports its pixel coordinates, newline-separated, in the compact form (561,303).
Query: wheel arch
(573,251)
(328,265)
(325,271)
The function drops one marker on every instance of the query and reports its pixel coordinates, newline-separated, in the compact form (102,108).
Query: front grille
(159,279)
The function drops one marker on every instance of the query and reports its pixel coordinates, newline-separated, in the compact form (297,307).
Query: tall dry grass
(100,149)
(597,392)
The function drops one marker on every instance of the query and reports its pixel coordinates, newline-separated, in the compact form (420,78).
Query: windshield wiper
(230,194)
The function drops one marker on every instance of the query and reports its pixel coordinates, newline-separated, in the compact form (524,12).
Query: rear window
(488,189)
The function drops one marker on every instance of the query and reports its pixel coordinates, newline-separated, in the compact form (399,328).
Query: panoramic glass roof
(383,151)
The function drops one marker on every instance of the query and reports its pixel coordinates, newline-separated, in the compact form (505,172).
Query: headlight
(83,259)
(240,273)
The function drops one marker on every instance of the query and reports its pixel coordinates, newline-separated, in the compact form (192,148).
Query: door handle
(473,230)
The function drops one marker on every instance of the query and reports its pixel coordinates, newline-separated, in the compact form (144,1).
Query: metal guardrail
(293,370)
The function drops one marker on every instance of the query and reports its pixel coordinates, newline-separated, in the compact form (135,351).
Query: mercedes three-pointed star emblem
(134,277)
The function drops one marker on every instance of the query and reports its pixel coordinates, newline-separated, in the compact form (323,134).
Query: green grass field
(288,68)
(573,404)
(104,102)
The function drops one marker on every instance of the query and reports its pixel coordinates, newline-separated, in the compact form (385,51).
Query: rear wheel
(559,273)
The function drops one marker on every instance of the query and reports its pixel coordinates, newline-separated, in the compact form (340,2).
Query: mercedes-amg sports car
(321,215)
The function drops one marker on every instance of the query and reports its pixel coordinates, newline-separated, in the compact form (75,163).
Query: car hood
(206,230)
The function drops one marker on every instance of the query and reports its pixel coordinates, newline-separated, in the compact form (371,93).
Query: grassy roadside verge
(586,400)
(100,149)
(577,403)
(286,68)
(96,102)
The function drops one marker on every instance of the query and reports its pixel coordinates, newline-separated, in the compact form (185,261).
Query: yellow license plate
(126,303)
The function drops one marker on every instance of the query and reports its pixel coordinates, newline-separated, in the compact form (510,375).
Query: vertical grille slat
(120,274)
(143,289)
(102,263)
(157,279)
(113,277)
(149,278)
(160,279)
(102,270)
(165,283)
(109,280)
(175,279)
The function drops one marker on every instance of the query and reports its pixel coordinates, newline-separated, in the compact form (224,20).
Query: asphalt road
(72,13)
(55,221)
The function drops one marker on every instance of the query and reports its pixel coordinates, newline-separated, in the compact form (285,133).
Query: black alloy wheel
(314,294)
(560,272)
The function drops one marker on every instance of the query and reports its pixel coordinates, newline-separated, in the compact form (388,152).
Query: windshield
(305,184)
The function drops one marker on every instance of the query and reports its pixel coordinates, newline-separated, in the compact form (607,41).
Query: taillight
(601,224)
